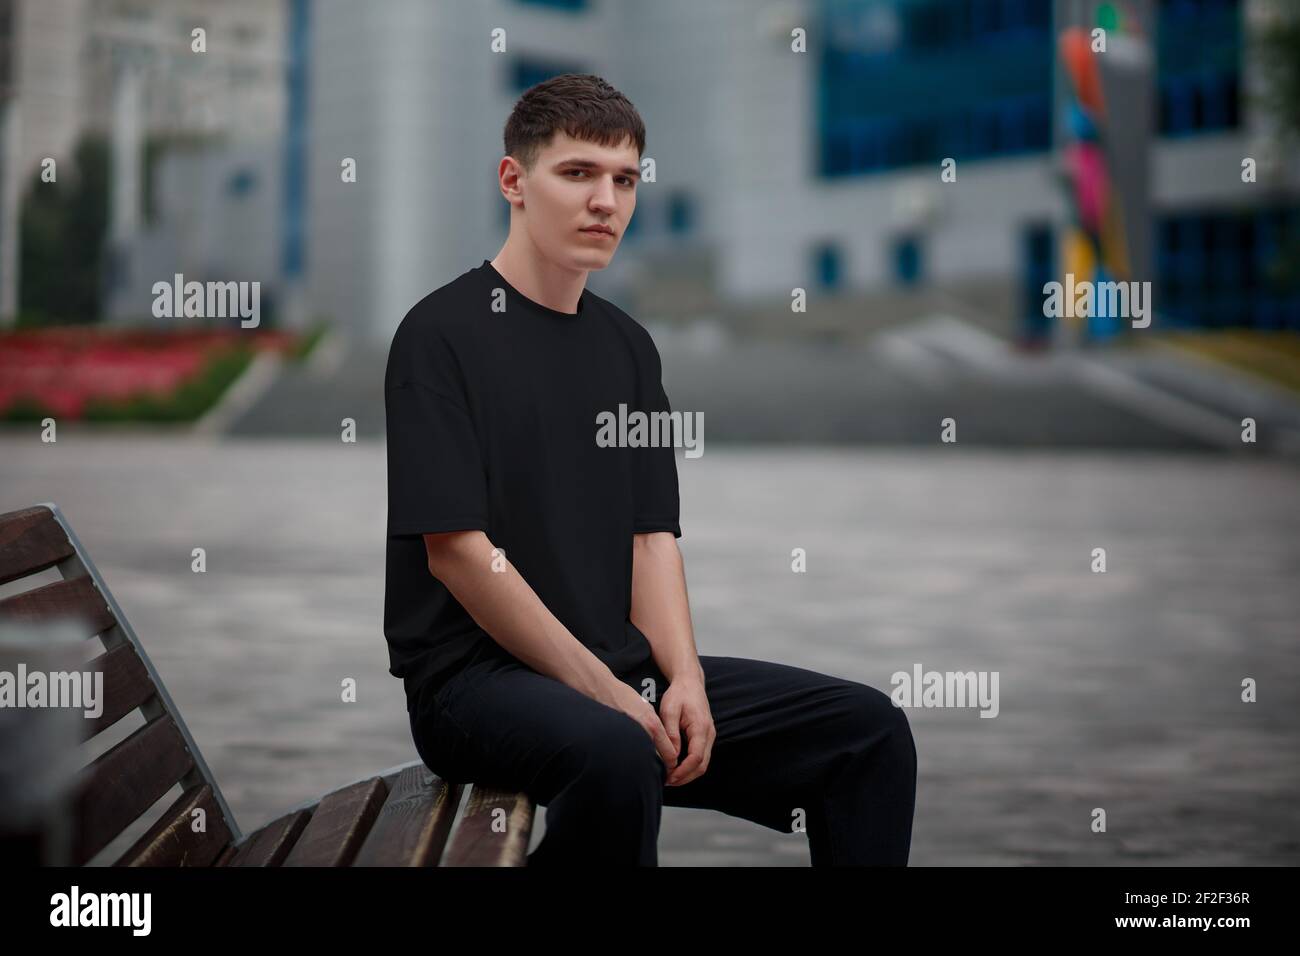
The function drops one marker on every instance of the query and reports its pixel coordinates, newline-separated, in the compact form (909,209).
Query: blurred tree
(64,224)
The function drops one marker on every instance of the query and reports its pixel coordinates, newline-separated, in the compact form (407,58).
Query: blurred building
(196,136)
(783,170)
(775,169)
(202,130)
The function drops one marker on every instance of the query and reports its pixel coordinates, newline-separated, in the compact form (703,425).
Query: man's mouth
(598,230)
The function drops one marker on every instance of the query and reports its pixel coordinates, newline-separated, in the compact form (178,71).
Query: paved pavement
(893,388)
(1118,690)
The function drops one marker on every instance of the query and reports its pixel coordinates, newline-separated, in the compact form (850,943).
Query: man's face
(574,185)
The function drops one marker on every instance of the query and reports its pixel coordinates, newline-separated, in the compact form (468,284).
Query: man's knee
(878,716)
(616,752)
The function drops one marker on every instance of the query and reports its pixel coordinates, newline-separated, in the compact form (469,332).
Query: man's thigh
(509,726)
(780,730)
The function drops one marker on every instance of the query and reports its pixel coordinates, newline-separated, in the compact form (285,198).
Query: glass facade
(1198,66)
(911,82)
(1220,268)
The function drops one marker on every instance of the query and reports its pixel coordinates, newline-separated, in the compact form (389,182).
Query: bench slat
(31,540)
(76,600)
(413,825)
(269,845)
(126,686)
(476,842)
(339,825)
(171,841)
(403,818)
(126,781)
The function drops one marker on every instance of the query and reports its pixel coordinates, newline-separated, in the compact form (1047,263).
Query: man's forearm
(660,609)
(509,610)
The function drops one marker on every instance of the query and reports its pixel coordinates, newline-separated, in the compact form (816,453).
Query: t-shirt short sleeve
(658,506)
(436,476)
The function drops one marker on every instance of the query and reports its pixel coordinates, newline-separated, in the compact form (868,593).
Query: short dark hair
(582,105)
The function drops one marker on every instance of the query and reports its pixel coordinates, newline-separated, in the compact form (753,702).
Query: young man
(535,602)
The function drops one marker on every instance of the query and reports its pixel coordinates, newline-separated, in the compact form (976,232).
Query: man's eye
(626,180)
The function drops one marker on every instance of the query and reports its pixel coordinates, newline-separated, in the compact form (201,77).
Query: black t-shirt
(492,424)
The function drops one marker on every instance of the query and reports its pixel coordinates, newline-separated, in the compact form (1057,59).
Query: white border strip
(242,394)
(1158,405)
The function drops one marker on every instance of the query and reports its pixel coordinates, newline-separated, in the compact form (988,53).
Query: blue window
(1038,258)
(907,260)
(557,4)
(1225,269)
(826,262)
(681,213)
(1198,66)
(632,229)
(241,183)
(528,71)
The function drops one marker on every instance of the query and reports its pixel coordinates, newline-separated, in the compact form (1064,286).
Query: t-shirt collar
(517,297)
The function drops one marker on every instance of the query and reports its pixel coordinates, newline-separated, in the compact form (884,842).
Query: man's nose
(603,195)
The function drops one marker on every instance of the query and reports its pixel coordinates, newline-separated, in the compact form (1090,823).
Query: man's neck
(539,279)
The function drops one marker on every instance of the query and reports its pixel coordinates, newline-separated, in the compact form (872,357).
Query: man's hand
(624,697)
(685,707)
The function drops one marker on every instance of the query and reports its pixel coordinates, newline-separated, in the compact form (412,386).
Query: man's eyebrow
(592,164)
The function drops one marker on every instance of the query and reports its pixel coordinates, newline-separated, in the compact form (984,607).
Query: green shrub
(25,409)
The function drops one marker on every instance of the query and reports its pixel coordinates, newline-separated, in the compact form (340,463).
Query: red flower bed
(63,368)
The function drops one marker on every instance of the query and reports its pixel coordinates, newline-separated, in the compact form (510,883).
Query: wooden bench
(398,817)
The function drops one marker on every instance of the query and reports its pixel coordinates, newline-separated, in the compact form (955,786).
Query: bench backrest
(115,789)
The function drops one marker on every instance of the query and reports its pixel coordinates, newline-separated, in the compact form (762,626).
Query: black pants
(795,751)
